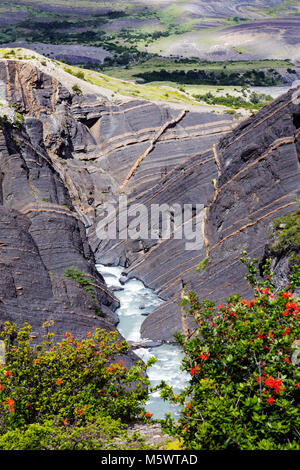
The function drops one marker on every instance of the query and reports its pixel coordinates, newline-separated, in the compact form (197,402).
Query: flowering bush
(244,367)
(69,383)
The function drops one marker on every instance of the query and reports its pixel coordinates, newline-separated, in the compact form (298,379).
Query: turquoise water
(169,356)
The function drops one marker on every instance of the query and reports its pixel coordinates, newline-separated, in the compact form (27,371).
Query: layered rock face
(74,154)
(258,180)
(256,173)
(41,234)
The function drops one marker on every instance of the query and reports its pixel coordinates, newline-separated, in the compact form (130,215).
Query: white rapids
(136,301)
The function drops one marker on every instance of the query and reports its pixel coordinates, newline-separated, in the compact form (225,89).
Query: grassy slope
(117,86)
(164,92)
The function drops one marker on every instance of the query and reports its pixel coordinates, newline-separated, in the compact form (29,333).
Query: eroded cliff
(258,180)
(72,154)
(41,233)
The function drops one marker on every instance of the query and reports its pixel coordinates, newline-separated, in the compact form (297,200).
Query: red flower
(287,360)
(59,381)
(148,415)
(265,291)
(274,383)
(10,405)
(262,379)
(8,373)
(1,387)
(203,356)
(297,385)
(195,370)
(287,295)
(270,400)
(292,305)
(70,336)
(79,411)
(286,332)
(189,406)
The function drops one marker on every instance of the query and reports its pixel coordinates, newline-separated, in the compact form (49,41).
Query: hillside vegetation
(185,93)
(134,31)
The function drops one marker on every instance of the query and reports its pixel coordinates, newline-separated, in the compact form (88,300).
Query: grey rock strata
(72,154)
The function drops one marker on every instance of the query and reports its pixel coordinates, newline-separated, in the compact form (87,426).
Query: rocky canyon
(66,155)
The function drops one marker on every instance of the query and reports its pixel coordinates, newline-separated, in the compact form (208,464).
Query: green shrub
(71,382)
(98,434)
(287,234)
(18,120)
(84,281)
(77,89)
(256,100)
(202,265)
(245,378)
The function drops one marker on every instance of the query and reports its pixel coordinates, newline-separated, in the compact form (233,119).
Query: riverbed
(273,91)
(137,301)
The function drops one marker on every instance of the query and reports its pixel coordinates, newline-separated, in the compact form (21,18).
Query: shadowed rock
(73,154)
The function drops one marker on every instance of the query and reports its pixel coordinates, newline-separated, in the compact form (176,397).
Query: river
(137,301)
(273,91)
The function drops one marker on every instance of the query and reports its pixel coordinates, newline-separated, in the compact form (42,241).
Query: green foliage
(245,378)
(77,89)
(256,100)
(79,74)
(202,265)
(15,121)
(287,234)
(126,45)
(212,76)
(53,392)
(99,434)
(84,281)
(4,120)
(174,445)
